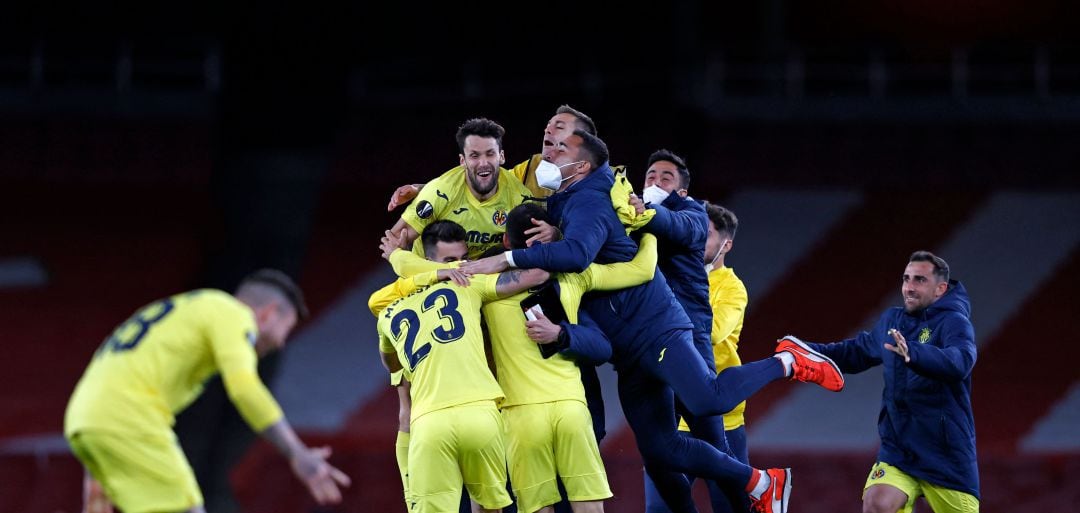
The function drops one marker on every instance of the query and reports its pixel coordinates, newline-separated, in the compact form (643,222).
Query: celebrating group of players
(514,285)
(557,266)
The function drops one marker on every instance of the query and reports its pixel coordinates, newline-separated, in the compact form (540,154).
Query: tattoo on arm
(508,277)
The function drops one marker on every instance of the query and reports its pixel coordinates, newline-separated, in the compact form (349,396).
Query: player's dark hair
(593,149)
(941,269)
(680,165)
(724,219)
(584,122)
(441,231)
(480,127)
(519,220)
(281,283)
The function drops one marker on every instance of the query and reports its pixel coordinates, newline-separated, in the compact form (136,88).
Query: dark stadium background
(147,149)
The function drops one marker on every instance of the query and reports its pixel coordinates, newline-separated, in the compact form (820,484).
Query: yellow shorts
(942,500)
(548,439)
(448,447)
(140,473)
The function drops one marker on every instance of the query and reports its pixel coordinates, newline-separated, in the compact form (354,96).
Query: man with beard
(927,349)
(563,123)
(475,195)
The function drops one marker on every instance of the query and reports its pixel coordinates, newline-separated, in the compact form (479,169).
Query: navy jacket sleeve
(682,227)
(584,234)
(951,362)
(855,355)
(586,343)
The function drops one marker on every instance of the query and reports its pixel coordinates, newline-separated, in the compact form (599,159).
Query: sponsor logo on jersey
(924,335)
(499,217)
(475,237)
(442,195)
(460,210)
(424,209)
(662,351)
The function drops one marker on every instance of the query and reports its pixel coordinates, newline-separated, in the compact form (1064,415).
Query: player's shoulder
(211,302)
(724,281)
(510,184)
(453,178)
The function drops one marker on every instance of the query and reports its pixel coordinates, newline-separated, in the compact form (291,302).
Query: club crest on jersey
(424,209)
(878,474)
(924,335)
(499,218)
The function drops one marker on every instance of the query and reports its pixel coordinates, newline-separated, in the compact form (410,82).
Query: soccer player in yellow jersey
(444,243)
(549,431)
(476,195)
(728,298)
(119,419)
(434,335)
(562,124)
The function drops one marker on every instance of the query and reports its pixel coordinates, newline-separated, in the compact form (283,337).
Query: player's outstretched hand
(901,347)
(541,232)
(542,330)
(489,265)
(402,195)
(321,478)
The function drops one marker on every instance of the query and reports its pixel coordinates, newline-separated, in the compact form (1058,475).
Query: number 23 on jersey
(450,328)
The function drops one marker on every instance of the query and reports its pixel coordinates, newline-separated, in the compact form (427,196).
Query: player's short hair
(941,268)
(724,219)
(519,220)
(480,127)
(584,122)
(279,283)
(680,165)
(593,149)
(441,231)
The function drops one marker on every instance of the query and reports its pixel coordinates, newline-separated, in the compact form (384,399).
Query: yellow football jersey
(526,174)
(448,198)
(436,335)
(525,376)
(728,298)
(155,363)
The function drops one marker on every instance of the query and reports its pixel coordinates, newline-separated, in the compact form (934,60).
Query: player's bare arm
(309,464)
(516,280)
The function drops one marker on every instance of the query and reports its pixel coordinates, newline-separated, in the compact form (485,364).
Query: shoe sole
(807,352)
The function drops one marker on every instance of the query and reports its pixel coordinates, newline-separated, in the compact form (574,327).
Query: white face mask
(654,194)
(549,176)
(719,251)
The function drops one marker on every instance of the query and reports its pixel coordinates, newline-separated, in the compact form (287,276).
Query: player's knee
(704,406)
(587,506)
(881,503)
(663,450)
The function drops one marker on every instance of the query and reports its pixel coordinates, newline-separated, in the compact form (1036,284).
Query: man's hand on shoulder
(489,265)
